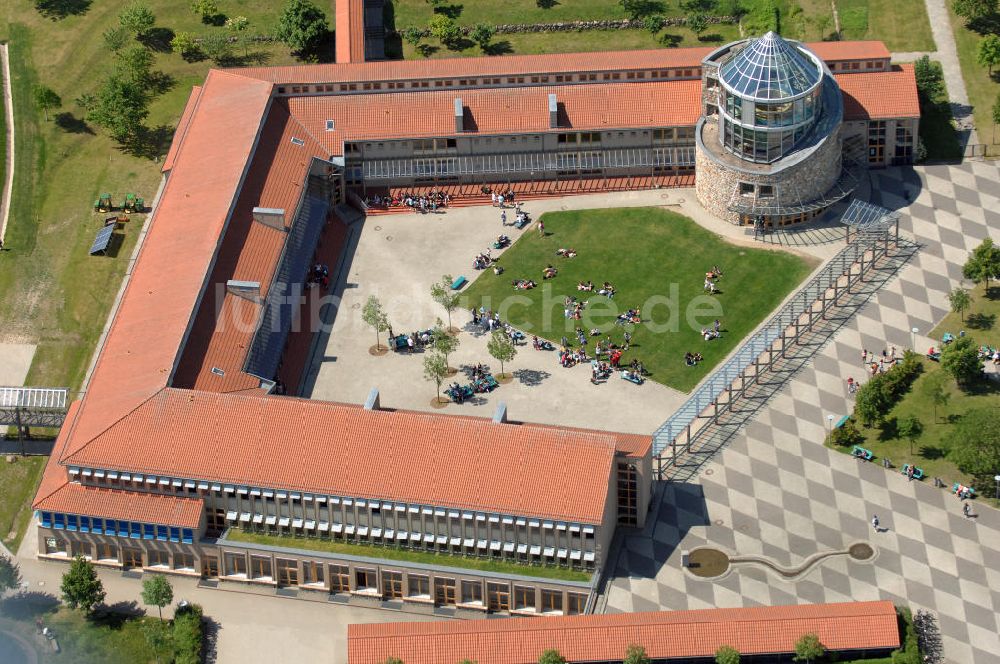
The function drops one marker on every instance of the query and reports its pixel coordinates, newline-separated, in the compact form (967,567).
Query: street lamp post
(829,422)
(913,339)
(997,479)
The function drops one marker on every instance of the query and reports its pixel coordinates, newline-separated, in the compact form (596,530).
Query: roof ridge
(80,448)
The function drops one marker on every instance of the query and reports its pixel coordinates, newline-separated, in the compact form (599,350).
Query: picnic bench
(933,354)
(841,422)
(861,453)
(521,223)
(918,473)
(963,491)
(459,282)
(947,338)
(399,342)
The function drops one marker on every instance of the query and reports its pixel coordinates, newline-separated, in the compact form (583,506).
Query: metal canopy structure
(102,240)
(33,406)
(867,216)
(792,204)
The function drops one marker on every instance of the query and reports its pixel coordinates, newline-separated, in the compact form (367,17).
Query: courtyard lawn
(656,260)
(422,557)
(17,487)
(980,86)
(981,319)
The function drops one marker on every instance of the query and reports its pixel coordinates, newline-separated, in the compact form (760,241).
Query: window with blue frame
(135,530)
(84,524)
(147,531)
(110,527)
(97,525)
(59,521)
(161,533)
(175,534)
(188,536)
(71,522)
(46,519)
(123,529)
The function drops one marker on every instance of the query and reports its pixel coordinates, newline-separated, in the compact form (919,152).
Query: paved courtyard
(397,258)
(777,492)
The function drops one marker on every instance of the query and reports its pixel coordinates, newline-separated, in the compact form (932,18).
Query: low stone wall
(580,26)
(807,181)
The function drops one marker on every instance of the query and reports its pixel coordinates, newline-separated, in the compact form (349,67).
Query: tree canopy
(727,655)
(988,53)
(959,299)
(974,444)
(374,315)
(983,263)
(81,587)
(551,656)
(435,369)
(137,18)
(960,358)
(157,591)
(301,26)
(501,348)
(444,29)
(635,654)
(10,574)
(973,10)
(442,293)
(808,649)
(46,99)
(930,79)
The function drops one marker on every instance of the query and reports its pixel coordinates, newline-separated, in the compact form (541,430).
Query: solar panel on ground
(102,240)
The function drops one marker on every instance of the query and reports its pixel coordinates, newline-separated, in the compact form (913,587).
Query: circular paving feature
(861,551)
(708,563)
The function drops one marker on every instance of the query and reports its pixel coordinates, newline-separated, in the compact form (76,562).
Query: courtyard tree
(81,587)
(136,64)
(115,38)
(157,591)
(697,23)
(988,52)
(501,348)
(118,106)
(137,18)
(974,444)
(653,24)
(983,263)
(412,36)
(996,116)
(808,649)
(10,574)
(936,391)
(910,429)
(847,435)
(444,343)
(217,47)
(635,654)
(184,45)
(239,25)
(442,293)
(445,30)
(727,655)
(930,80)
(301,26)
(551,656)
(45,99)
(960,358)
(436,370)
(482,34)
(973,10)
(374,315)
(959,299)
(871,403)
(206,9)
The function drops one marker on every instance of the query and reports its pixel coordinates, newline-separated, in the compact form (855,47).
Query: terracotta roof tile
(162,291)
(318,446)
(499,110)
(55,476)
(880,95)
(849,50)
(182,126)
(599,638)
(74,498)
(350,30)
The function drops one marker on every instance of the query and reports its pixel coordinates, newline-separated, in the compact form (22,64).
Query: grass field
(656,260)
(17,486)
(981,88)
(103,640)
(422,557)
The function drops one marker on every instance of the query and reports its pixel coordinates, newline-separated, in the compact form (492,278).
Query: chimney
(372,402)
(459,116)
(500,415)
(272,217)
(553,112)
(248,290)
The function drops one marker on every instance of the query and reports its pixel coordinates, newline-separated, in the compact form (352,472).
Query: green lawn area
(17,487)
(981,88)
(929,449)
(657,261)
(423,557)
(901,24)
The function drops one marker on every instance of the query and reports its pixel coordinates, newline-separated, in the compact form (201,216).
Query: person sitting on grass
(607,290)
(566,253)
(549,272)
(689,359)
(585,286)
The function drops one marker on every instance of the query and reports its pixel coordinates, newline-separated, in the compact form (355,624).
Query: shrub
(184,45)
(960,358)
(876,398)
(847,435)
(188,634)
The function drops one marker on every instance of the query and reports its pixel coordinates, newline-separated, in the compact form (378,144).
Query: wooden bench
(458,283)
(918,473)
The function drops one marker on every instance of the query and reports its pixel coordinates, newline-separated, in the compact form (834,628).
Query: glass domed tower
(768,143)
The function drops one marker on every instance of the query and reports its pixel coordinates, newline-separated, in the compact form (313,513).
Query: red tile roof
(182,126)
(849,50)
(350,30)
(880,95)
(225,324)
(283,442)
(156,508)
(600,638)
(151,321)
(499,110)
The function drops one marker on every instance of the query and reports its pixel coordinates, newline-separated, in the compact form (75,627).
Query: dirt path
(8,105)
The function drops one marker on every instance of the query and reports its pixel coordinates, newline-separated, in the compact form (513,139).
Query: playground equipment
(103,204)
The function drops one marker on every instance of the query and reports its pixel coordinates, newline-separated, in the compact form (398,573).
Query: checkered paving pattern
(775,491)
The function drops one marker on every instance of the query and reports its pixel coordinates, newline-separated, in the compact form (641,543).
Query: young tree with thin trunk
(442,293)
(374,315)
(808,649)
(10,574)
(436,369)
(933,387)
(983,263)
(635,654)
(910,429)
(46,98)
(81,588)
(988,53)
(157,591)
(443,342)
(960,300)
(501,348)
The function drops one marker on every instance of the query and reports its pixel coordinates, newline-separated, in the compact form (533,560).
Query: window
(135,530)
(392,585)
(55,546)
(46,519)
(552,601)
(158,558)
(131,557)
(330,125)
(365,579)
(288,572)
(71,522)
(766,191)
(444,592)
(236,564)
(575,603)
(418,586)
(260,567)
(472,592)
(175,534)
(187,536)
(627,494)
(148,531)
(210,567)
(59,521)
(184,561)
(107,552)
(340,579)
(498,596)
(524,598)
(746,189)
(312,572)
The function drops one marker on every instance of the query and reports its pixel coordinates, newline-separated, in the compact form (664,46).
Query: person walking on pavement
(875,522)
(503,218)
(967,510)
